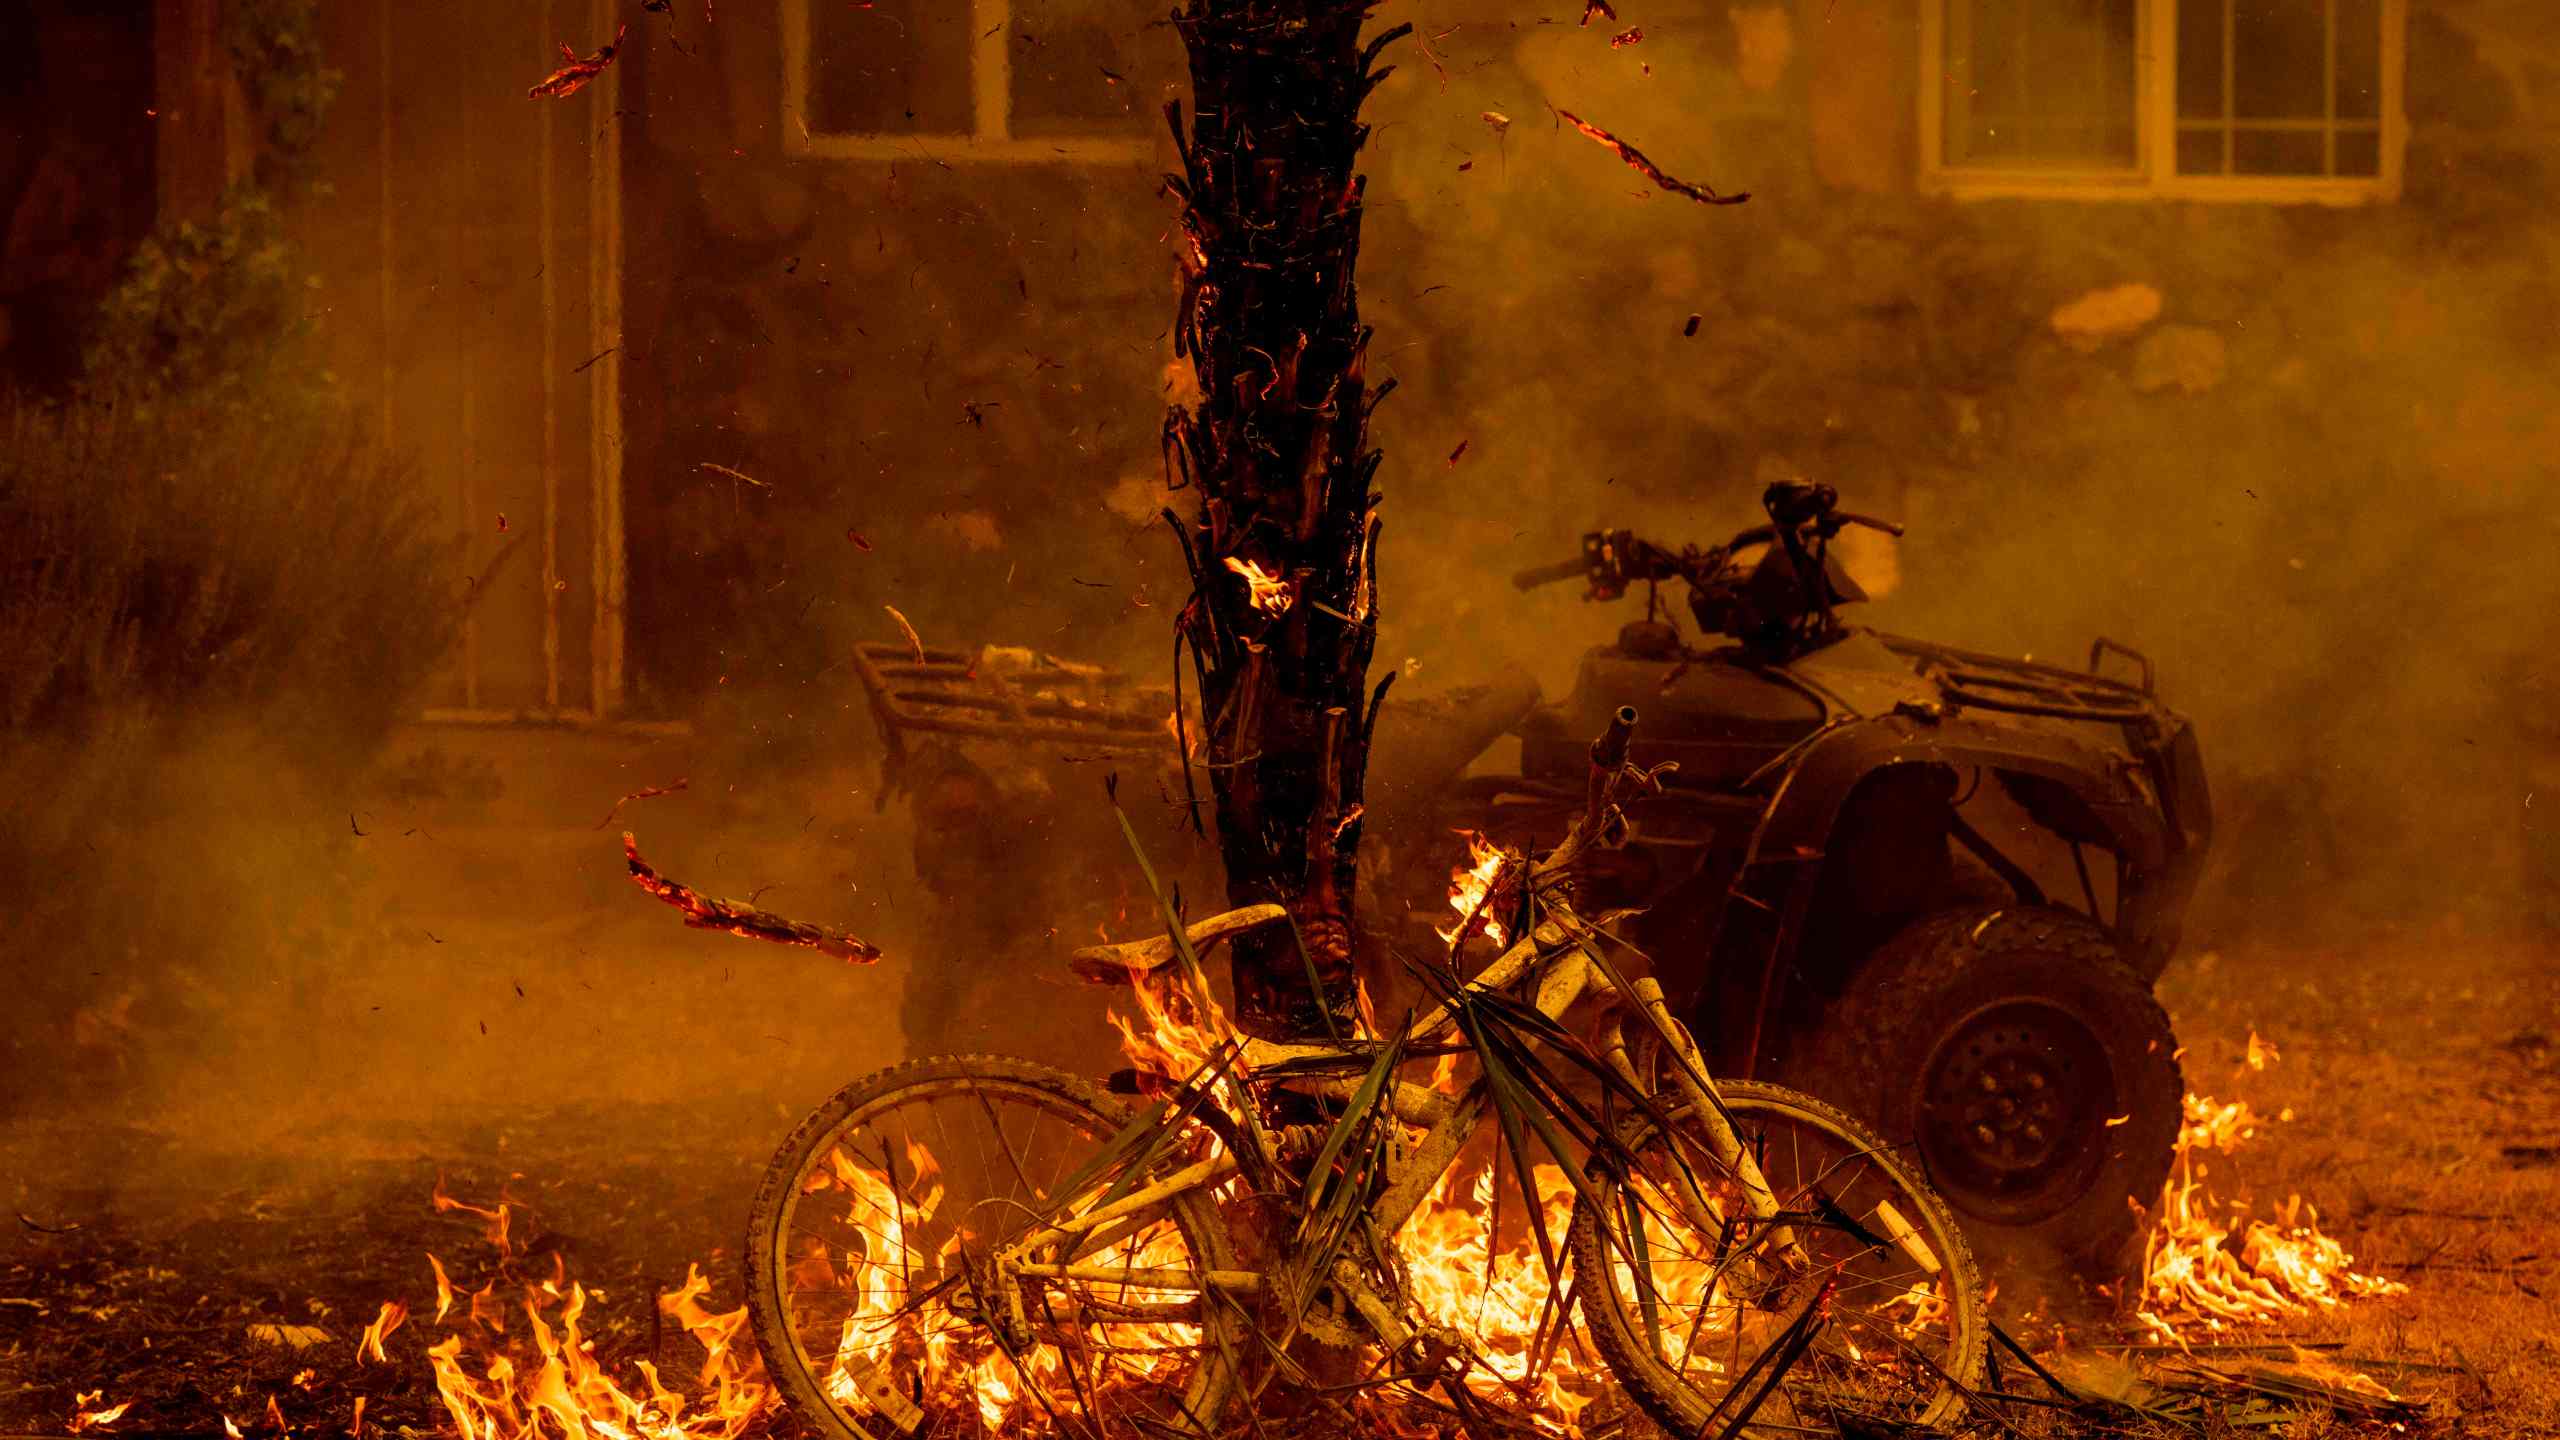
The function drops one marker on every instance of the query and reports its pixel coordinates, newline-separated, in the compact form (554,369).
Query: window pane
(2359,59)
(2040,83)
(2200,94)
(896,67)
(2279,59)
(2360,153)
(2276,152)
(2200,152)
(1087,68)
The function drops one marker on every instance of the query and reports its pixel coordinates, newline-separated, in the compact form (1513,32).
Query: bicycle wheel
(1875,1310)
(868,1263)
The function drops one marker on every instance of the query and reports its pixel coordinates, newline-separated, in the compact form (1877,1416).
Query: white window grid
(2154,173)
(990,137)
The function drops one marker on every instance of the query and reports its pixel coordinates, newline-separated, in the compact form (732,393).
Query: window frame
(990,137)
(2154,175)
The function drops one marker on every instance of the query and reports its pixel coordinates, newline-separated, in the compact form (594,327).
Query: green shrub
(212,312)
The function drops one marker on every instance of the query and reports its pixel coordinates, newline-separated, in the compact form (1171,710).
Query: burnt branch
(1636,160)
(730,917)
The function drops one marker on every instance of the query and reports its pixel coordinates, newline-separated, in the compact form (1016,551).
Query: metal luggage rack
(2028,687)
(1030,698)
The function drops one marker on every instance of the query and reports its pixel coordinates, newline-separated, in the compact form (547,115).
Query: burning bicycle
(968,1244)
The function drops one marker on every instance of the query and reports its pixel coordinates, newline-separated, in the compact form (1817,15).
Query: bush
(199,558)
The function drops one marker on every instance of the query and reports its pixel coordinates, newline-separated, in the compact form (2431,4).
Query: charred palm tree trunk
(1283,547)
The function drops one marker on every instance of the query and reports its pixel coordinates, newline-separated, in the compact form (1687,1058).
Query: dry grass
(209,558)
(2422,1074)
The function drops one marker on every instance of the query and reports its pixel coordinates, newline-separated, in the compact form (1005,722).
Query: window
(2267,100)
(1006,80)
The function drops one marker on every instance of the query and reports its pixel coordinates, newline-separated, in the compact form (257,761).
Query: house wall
(78,128)
(2315,486)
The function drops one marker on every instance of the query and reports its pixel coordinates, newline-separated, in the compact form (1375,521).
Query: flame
(84,1419)
(893,1319)
(551,1386)
(1271,595)
(496,1228)
(2200,1272)
(393,1316)
(1176,1033)
(1472,891)
(1500,1300)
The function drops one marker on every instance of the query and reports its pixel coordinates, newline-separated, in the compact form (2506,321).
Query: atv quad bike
(1929,885)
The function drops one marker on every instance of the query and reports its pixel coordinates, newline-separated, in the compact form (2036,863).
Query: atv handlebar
(1550,574)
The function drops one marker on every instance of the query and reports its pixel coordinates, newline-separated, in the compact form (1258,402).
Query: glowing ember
(2201,1271)
(1271,594)
(1472,888)
(552,1388)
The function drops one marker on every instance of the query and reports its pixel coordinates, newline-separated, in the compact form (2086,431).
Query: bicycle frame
(1566,974)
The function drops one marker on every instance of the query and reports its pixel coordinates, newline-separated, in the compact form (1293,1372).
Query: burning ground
(205,1274)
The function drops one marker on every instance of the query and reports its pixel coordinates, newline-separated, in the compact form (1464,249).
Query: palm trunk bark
(1283,545)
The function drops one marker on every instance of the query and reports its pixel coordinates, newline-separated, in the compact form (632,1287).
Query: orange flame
(369,1348)
(1270,594)
(2203,1273)
(496,1227)
(1472,888)
(551,1387)
(84,1419)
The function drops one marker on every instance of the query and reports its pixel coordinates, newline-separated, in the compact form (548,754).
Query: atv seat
(1132,959)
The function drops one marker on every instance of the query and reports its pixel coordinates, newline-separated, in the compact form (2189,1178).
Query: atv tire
(2034,1073)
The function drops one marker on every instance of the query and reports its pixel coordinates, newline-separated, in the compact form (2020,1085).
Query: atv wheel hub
(2012,1100)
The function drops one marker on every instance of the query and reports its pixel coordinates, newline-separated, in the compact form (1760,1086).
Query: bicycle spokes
(921,1320)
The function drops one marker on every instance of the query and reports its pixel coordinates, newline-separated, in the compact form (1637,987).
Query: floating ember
(576,70)
(2203,1271)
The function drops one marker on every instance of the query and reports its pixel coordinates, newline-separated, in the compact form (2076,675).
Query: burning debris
(1636,160)
(646,792)
(576,70)
(731,917)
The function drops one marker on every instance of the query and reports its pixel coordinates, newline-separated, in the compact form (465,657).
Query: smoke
(2311,486)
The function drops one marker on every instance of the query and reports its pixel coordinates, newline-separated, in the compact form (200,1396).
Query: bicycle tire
(770,1232)
(1685,1406)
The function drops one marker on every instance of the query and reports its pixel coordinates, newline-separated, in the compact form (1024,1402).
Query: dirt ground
(2420,1074)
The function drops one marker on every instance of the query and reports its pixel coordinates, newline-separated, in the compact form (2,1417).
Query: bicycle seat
(1119,964)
